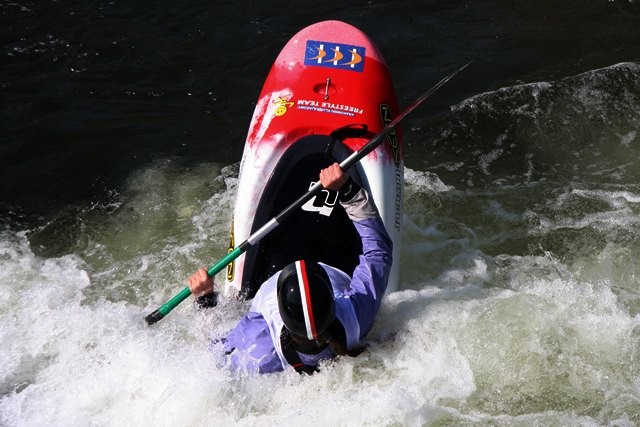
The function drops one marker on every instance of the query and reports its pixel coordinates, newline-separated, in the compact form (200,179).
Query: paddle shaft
(272,224)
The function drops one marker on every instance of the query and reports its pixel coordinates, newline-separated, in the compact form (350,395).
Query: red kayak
(328,92)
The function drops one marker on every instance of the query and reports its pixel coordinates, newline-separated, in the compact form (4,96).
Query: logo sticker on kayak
(392,137)
(328,107)
(334,55)
(231,267)
(323,203)
(282,103)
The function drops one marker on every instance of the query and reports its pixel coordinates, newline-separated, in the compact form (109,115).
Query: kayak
(327,94)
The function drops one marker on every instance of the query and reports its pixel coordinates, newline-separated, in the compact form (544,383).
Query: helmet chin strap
(308,346)
(337,347)
(291,344)
(315,346)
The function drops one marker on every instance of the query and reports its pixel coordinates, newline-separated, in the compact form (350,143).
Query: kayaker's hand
(200,283)
(333,178)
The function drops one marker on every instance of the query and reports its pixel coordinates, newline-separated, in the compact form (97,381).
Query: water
(519,298)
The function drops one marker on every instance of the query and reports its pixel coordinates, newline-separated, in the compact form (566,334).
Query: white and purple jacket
(254,344)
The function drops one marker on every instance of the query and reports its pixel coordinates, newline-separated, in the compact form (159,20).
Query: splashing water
(518,302)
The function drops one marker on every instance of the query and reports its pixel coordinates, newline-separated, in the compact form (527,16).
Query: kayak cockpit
(320,231)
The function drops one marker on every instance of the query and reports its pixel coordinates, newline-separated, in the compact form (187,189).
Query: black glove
(348,190)
(207,300)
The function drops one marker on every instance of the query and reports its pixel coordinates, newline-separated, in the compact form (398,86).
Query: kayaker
(309,311)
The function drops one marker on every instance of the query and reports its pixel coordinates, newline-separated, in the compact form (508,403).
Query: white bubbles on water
(628,138)
(550,337)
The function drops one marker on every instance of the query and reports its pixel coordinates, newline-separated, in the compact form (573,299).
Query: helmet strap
(290,354)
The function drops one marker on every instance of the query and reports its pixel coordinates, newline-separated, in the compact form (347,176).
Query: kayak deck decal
(282,103)
(328,107)
(334,55)
(387,117)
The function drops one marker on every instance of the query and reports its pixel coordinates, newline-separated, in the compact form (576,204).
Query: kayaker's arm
(333,178)
(369,279)
(200,283)
(201,286)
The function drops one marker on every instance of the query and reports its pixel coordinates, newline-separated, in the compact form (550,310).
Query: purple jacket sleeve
(249,346)
(369,279)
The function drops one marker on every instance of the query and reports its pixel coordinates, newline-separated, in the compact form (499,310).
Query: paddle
(258,235)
